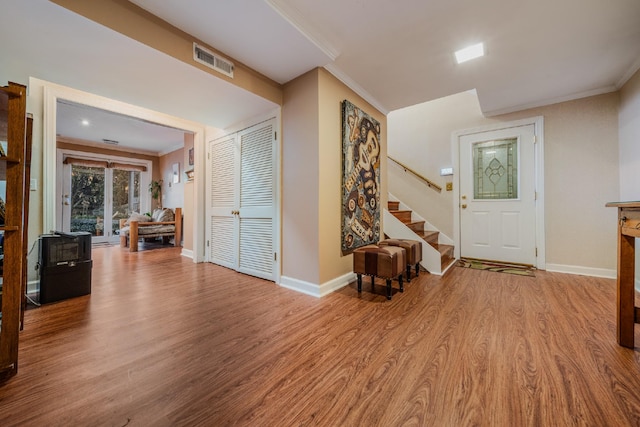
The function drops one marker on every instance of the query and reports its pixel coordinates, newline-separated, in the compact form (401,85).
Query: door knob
(463,206)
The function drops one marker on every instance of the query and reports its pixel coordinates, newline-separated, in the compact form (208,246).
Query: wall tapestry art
(360,178)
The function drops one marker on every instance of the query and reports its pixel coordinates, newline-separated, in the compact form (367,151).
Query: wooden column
(628,230)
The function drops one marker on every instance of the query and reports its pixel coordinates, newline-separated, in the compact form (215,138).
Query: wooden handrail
(427,181)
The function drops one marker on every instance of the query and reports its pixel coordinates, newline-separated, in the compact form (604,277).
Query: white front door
(498,195)
(242,196)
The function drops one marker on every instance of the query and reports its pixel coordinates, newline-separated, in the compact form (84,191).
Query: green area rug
(499,267)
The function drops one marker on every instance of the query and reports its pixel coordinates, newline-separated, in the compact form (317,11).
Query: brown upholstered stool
(414,253)
(385,262)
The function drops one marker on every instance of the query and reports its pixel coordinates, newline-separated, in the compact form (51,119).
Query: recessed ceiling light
(471,52)
(85,122)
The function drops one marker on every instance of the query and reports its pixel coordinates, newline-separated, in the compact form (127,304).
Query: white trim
(250,122)
(582,271)
(551,101)
(538,123)
(102,145)
(52,92)
(278,196)
(637,285)
(33,287)
(351,84)
(305,27)
(49,145)
(315,290)
(187,253)
(630,73)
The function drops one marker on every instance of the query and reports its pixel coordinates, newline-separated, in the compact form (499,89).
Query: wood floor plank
(165,342)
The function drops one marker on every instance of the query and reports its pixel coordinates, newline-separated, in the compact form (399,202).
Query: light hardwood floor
(165,342)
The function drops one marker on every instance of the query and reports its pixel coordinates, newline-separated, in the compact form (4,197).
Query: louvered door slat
(257,168)
(223,241)
(222,174)
(256,250)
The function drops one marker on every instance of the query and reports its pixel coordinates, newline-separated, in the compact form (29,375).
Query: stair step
(417,226)
(446,254)
(430,236)
(446,261)
(404,216)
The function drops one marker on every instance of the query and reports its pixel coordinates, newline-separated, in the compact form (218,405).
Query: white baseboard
(187,253)
(316,290)
(33,286)
(583,271)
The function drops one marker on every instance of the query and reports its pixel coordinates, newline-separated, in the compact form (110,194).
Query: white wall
(629,123)
(581,171)
(419,137)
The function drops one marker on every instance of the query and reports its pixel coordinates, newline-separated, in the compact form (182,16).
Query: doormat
(499,267)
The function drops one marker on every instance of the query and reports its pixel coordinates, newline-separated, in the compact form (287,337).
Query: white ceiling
(91,126)
(394,53)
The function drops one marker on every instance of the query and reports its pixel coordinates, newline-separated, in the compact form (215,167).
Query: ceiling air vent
(212,60)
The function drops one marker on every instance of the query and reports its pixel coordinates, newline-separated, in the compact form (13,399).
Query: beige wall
(35,107)
(581,169)
(188,217)
(332,93)
(172,193)
(188,204)
(138,24)
(311,163)
(300,179)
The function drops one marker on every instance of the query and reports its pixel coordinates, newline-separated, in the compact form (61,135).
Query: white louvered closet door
(242,194)
(223,197)
(257,200)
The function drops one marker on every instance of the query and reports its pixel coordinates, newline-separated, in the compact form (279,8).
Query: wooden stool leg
(373,279)
(400,281)
(359,282)
(626,291)
(388,288)
(417,269)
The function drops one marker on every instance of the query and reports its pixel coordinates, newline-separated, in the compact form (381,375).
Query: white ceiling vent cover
(212,60)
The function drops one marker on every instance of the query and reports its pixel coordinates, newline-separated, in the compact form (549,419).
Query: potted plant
(155,188)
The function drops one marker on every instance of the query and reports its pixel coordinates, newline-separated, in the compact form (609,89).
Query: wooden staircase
(431,237)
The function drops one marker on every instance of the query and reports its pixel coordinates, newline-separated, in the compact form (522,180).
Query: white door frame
(52,92)
(538,123)
(61,176)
